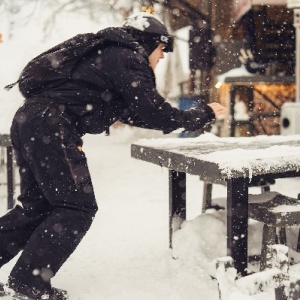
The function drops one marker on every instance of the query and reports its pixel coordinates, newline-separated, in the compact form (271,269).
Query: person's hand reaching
(218,109)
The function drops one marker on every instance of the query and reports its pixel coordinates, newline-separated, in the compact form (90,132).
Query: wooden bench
(264,184)
(275,211)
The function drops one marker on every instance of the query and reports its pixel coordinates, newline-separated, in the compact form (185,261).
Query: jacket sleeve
(132,119)
(134,81)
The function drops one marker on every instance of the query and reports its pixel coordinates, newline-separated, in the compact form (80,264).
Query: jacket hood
(121,37)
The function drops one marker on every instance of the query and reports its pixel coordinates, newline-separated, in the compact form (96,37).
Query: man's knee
(73,217)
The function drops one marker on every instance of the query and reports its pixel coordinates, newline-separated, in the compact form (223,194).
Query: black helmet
(149,31)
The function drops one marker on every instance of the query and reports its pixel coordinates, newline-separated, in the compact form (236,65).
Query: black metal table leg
(207,194)
(10,178)
(237,222)
(177,201)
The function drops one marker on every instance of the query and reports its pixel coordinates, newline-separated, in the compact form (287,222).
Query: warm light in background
(149,10)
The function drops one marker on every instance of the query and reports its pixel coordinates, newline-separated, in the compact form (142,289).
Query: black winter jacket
(114,82)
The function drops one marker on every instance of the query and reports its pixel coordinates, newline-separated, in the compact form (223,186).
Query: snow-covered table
(234,160)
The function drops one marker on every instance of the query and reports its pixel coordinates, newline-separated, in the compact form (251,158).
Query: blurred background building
(242,54)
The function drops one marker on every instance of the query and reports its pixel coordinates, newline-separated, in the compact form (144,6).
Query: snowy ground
(125,254)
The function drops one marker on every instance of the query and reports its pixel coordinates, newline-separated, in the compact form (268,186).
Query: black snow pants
(57,202)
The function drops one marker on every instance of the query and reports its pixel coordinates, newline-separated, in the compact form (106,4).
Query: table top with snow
(224,157)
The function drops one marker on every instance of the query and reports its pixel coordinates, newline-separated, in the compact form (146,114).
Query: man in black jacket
(80,86)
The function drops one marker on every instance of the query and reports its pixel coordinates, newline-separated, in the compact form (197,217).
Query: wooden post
(233,90)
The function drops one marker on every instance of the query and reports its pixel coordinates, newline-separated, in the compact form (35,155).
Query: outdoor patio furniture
(264,184)
(276,211)
(234,160)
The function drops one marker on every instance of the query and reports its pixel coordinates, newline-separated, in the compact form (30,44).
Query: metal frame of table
(5,142)
(237,191)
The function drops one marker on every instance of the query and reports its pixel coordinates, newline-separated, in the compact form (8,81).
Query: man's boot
(20,291)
